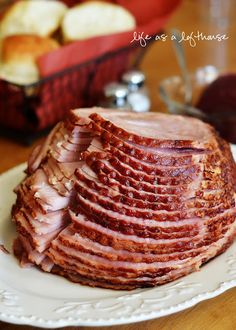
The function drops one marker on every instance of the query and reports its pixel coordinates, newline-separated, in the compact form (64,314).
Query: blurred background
(208,16)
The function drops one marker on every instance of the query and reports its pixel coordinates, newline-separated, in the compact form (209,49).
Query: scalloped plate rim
(62,322)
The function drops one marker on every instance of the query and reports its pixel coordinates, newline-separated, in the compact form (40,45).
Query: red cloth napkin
(151,16)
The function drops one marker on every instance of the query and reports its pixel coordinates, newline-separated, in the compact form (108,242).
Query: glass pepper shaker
(138,97)
(116,96)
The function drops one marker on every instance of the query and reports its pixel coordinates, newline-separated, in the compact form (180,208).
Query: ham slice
(156,133)
(129,242)
(129,196)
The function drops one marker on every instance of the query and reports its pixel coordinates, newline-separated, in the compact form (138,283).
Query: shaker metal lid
(133,77)
(116,90)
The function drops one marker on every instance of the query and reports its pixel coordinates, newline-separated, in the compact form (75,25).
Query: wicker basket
(29,109)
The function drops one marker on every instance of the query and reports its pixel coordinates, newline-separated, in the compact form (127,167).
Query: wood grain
(193,15)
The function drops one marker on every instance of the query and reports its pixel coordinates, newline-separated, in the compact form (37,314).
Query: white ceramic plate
(29,296)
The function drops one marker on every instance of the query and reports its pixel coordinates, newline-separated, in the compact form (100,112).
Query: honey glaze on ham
(121,200)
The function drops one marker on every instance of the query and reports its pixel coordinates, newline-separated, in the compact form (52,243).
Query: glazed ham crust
(121,200)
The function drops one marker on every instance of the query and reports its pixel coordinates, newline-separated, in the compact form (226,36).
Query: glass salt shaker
(138,97)
(116,96)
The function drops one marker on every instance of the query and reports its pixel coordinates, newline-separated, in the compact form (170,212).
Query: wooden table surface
(192,15)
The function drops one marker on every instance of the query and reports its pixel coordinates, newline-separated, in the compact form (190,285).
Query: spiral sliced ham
(121,200)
